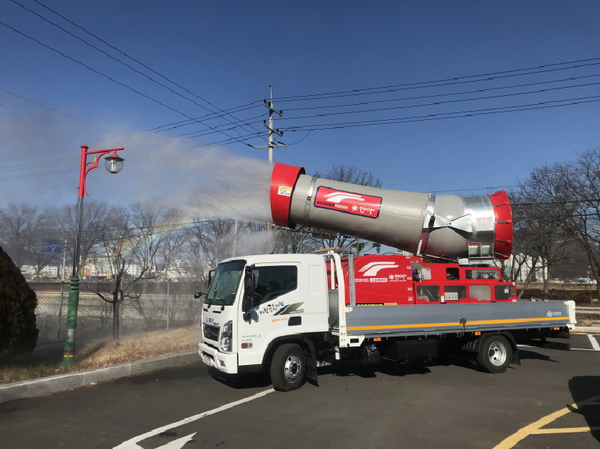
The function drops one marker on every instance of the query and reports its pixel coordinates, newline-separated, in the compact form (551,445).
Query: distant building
(49,271)
(177,269)
(518,266)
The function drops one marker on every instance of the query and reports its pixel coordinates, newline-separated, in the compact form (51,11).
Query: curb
(586,330)
(61,382)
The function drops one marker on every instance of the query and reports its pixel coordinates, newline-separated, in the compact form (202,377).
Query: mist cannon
(440,226)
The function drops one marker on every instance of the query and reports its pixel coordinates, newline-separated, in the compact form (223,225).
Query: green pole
(69,351)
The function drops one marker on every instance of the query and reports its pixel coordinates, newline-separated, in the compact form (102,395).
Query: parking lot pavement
(53,384)
(582,339)
(549,401)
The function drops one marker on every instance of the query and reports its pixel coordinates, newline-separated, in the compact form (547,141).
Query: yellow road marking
(565,430)
(535,428)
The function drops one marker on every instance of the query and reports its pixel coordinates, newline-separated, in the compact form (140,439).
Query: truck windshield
(225,283)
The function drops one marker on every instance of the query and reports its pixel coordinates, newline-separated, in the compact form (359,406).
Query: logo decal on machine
(278,308)
(371,269)
(348,202)
(291,308)
(270,307)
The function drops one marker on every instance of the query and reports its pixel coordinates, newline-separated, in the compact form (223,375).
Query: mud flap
(516,358)
(311,364)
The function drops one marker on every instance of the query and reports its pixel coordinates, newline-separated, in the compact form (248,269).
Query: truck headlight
(226,341)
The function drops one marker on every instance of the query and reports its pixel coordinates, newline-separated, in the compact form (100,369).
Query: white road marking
(178,443)
(132,443)
(594,342)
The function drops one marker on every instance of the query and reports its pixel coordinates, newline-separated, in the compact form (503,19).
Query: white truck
(291,313)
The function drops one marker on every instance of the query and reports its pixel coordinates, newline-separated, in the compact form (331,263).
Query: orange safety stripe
(469,323)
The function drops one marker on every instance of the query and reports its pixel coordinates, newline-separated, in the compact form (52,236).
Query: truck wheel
(495,354)
(287,367)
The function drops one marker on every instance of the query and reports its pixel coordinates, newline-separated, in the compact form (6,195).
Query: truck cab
(256,304)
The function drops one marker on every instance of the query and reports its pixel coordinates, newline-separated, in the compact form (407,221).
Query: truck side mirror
(198,294)
(248,301)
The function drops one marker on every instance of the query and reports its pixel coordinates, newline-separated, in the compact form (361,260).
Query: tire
(288,367)
(495,354)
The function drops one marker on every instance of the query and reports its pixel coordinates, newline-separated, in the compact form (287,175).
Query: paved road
(397,406)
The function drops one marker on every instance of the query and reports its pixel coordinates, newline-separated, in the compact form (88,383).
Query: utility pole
(272,131)
(270,127)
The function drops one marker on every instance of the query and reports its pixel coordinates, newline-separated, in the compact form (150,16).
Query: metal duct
(442,226)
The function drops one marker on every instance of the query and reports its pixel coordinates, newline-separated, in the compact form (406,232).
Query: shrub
(18,333)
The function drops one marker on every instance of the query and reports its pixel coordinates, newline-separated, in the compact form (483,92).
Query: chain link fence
(160,305)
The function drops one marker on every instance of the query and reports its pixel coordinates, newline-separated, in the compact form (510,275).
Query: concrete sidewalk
(61,382)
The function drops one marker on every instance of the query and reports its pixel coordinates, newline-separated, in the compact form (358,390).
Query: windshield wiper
(217,301)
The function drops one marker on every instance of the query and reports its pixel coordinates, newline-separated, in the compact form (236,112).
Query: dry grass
(46,360)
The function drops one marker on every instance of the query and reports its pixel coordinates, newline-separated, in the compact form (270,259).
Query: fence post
(62,288)
(62,285)
(168,304)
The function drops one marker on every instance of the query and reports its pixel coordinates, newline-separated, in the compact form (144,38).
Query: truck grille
(211,332)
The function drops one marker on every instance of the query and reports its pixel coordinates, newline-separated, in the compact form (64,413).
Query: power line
(119,61)
(217,129)
(211,116)
(546,68)
(439,103)
(93,70)
(542,69)
(447,115)
(451,94)
(157,129)
(50,109)
(45,173)
(242,123)
(197,45)
(143,65)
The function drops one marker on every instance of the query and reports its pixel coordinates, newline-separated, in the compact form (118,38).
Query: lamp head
(114,163)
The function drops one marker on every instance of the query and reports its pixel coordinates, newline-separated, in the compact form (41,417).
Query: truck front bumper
(226,363)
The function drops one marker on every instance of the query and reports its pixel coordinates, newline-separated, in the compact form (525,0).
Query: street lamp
(114,164)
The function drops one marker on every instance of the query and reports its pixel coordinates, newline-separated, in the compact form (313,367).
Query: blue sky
(57,93)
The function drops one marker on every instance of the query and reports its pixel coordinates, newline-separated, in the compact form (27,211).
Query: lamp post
(114,164)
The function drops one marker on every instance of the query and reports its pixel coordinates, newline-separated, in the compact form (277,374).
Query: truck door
(279,305)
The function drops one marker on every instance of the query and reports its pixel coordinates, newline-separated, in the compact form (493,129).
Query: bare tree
(350,175)
(296,241)
(213,238)
(211,241)
(571,193)
(193,257)
(134,243)
(539,241)
(116,240)
(96,216)
(129,252)
(174,237)
(22,229)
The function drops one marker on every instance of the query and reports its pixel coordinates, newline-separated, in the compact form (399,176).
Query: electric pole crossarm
(271,128)
(269,106)
(264,147)
(276,131)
